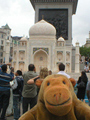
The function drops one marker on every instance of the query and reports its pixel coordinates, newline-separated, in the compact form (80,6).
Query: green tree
(84,51)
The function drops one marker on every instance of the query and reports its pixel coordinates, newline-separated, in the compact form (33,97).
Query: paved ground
(10,118)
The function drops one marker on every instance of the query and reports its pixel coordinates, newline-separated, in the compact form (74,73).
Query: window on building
(41,58)
(1,47)
(2,42)
(1,54)
(1,61)
(7,37)
(2,35)
(8,32)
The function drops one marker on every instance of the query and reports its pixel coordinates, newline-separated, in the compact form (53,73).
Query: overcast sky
(19,15)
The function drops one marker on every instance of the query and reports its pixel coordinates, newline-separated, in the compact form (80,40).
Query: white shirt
(63,73)
(86,68)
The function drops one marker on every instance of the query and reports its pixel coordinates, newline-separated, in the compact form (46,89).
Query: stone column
(7,53)
(77,65)
(17,60)
(13,58)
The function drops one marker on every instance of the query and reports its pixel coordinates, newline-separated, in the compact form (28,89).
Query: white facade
(5,41)
(42,49)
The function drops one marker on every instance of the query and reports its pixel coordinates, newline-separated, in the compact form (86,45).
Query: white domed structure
(61,39)
(42,49)
(23,39)
(42,28)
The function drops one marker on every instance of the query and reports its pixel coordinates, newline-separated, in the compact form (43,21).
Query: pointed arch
(40,59)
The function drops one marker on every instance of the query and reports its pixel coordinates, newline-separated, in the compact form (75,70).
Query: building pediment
(74,2)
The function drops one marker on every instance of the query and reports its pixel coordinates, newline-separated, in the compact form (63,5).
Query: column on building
(17,61)
(77,65)
(7,51)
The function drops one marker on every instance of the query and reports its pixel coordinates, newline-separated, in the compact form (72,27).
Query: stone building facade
(87,44)
(5,44)
(43,49)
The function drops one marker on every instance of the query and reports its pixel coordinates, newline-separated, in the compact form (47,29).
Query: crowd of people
(86,62)
(25,88)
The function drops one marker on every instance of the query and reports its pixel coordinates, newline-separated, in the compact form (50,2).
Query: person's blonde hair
(43,72)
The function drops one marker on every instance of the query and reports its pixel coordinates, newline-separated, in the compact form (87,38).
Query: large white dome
(42,28)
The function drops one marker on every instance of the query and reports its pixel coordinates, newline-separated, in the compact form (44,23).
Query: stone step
(76,75)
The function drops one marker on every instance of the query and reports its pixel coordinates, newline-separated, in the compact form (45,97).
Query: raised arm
(32,81)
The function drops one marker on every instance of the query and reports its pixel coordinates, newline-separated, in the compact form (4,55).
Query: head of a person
(83,74)
(31,67)
(18,73)
(61,67)
(50,72)
(4,68)
(43,72)
(12,69)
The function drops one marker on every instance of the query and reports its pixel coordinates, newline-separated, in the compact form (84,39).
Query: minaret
(89,34)
(77,65)
(7,53)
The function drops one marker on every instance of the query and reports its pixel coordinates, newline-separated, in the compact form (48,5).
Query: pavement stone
(10,118)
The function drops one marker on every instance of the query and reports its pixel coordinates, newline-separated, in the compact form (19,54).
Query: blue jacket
(5,78)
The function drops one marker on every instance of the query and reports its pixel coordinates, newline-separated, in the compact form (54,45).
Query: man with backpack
(17,94)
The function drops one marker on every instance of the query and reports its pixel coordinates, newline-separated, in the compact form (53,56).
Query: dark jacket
(18,90)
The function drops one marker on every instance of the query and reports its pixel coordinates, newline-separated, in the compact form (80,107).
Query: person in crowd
(82,88)
(89,68)
(12,71)
(39,79)
(86,68)
(50,72)
(88,91)
(9,64)
(17,94)
(29,92)
(86,60)
(0,68)
(5,78)
(62,72)
(9,111)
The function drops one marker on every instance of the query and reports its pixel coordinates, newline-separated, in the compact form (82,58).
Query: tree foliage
(84,51)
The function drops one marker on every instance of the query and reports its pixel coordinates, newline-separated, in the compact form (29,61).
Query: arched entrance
(40,60)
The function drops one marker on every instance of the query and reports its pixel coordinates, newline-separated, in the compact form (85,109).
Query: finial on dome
(77,43)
